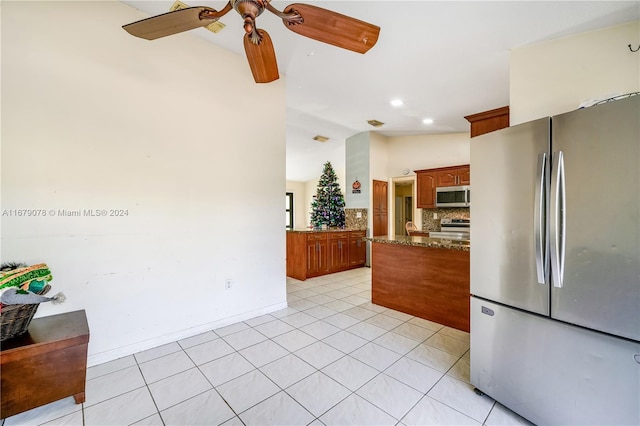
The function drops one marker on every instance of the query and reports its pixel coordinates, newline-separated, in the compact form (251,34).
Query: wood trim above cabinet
(488,121)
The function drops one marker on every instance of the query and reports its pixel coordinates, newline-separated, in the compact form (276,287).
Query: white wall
(556,76)
(93,118)
(357,150)
(423,152)
(427,152)
(378,170)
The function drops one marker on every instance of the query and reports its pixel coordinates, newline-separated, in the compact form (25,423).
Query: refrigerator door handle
(542,254)
(558,215)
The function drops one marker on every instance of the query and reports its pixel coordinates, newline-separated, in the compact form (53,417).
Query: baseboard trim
(110,355)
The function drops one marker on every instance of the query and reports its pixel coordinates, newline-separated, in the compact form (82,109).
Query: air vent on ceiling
(375,123)
(319,138)
(215,27)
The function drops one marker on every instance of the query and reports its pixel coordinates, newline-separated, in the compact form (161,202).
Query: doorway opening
(403,205)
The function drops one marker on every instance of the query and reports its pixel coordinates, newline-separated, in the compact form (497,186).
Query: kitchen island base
(430,283)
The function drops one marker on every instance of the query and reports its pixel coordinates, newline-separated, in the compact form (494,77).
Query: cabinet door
(338,252)
(380,217)
(357,248)
(464,175)
(448,178)
(312,258)
(426,187)
(317,258)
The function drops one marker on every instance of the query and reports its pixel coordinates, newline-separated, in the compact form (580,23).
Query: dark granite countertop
(421,242)
(303,230)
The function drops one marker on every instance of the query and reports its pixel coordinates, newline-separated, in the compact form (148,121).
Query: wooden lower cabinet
(317,261)
(311,254)
(338,251)
(357,249)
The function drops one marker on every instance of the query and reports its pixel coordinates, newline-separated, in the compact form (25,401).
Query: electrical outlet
(435,215)
(227,283)
(358,215)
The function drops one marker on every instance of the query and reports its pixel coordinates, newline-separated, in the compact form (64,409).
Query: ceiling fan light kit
(307,20)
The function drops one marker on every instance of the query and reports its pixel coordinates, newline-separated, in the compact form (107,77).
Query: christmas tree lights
(327,207)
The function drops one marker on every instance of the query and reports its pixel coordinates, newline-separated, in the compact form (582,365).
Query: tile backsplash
(352,221)
(431,224)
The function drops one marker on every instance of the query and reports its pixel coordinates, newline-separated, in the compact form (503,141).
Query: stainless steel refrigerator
(555,266)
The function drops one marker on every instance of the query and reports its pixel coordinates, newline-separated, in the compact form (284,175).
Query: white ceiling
(445,59)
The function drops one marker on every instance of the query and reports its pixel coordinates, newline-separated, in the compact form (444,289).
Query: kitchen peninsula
(422,276)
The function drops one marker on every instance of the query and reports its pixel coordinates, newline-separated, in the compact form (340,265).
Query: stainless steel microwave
(453,196)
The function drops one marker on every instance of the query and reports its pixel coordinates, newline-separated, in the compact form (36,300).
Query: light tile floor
(331,358)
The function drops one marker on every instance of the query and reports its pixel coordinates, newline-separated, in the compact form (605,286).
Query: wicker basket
(15,319)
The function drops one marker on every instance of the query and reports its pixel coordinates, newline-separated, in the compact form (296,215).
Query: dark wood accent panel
(419,234)
(488,121)
(429,283)
(46,364)
(380,209)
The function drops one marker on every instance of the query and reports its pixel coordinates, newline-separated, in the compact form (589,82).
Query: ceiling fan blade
(262,58)
(332,27)
(170,23)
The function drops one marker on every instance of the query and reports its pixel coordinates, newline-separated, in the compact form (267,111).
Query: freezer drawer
(551,372)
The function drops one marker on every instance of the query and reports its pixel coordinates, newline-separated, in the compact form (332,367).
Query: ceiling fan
(307,20)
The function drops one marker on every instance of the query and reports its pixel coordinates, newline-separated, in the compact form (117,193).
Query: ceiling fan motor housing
(252,8)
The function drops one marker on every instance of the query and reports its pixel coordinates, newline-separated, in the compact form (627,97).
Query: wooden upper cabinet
(447,178)
(488,121)
(453,176)
(426,188)
(464,175)
(429,179)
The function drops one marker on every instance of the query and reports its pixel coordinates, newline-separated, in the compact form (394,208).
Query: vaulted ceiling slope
(444,59)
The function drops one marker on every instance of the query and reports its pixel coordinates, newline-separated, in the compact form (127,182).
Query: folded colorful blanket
(23,277)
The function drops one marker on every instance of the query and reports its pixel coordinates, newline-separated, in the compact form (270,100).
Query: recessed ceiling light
(397,103)
(320,138)
(428,121)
